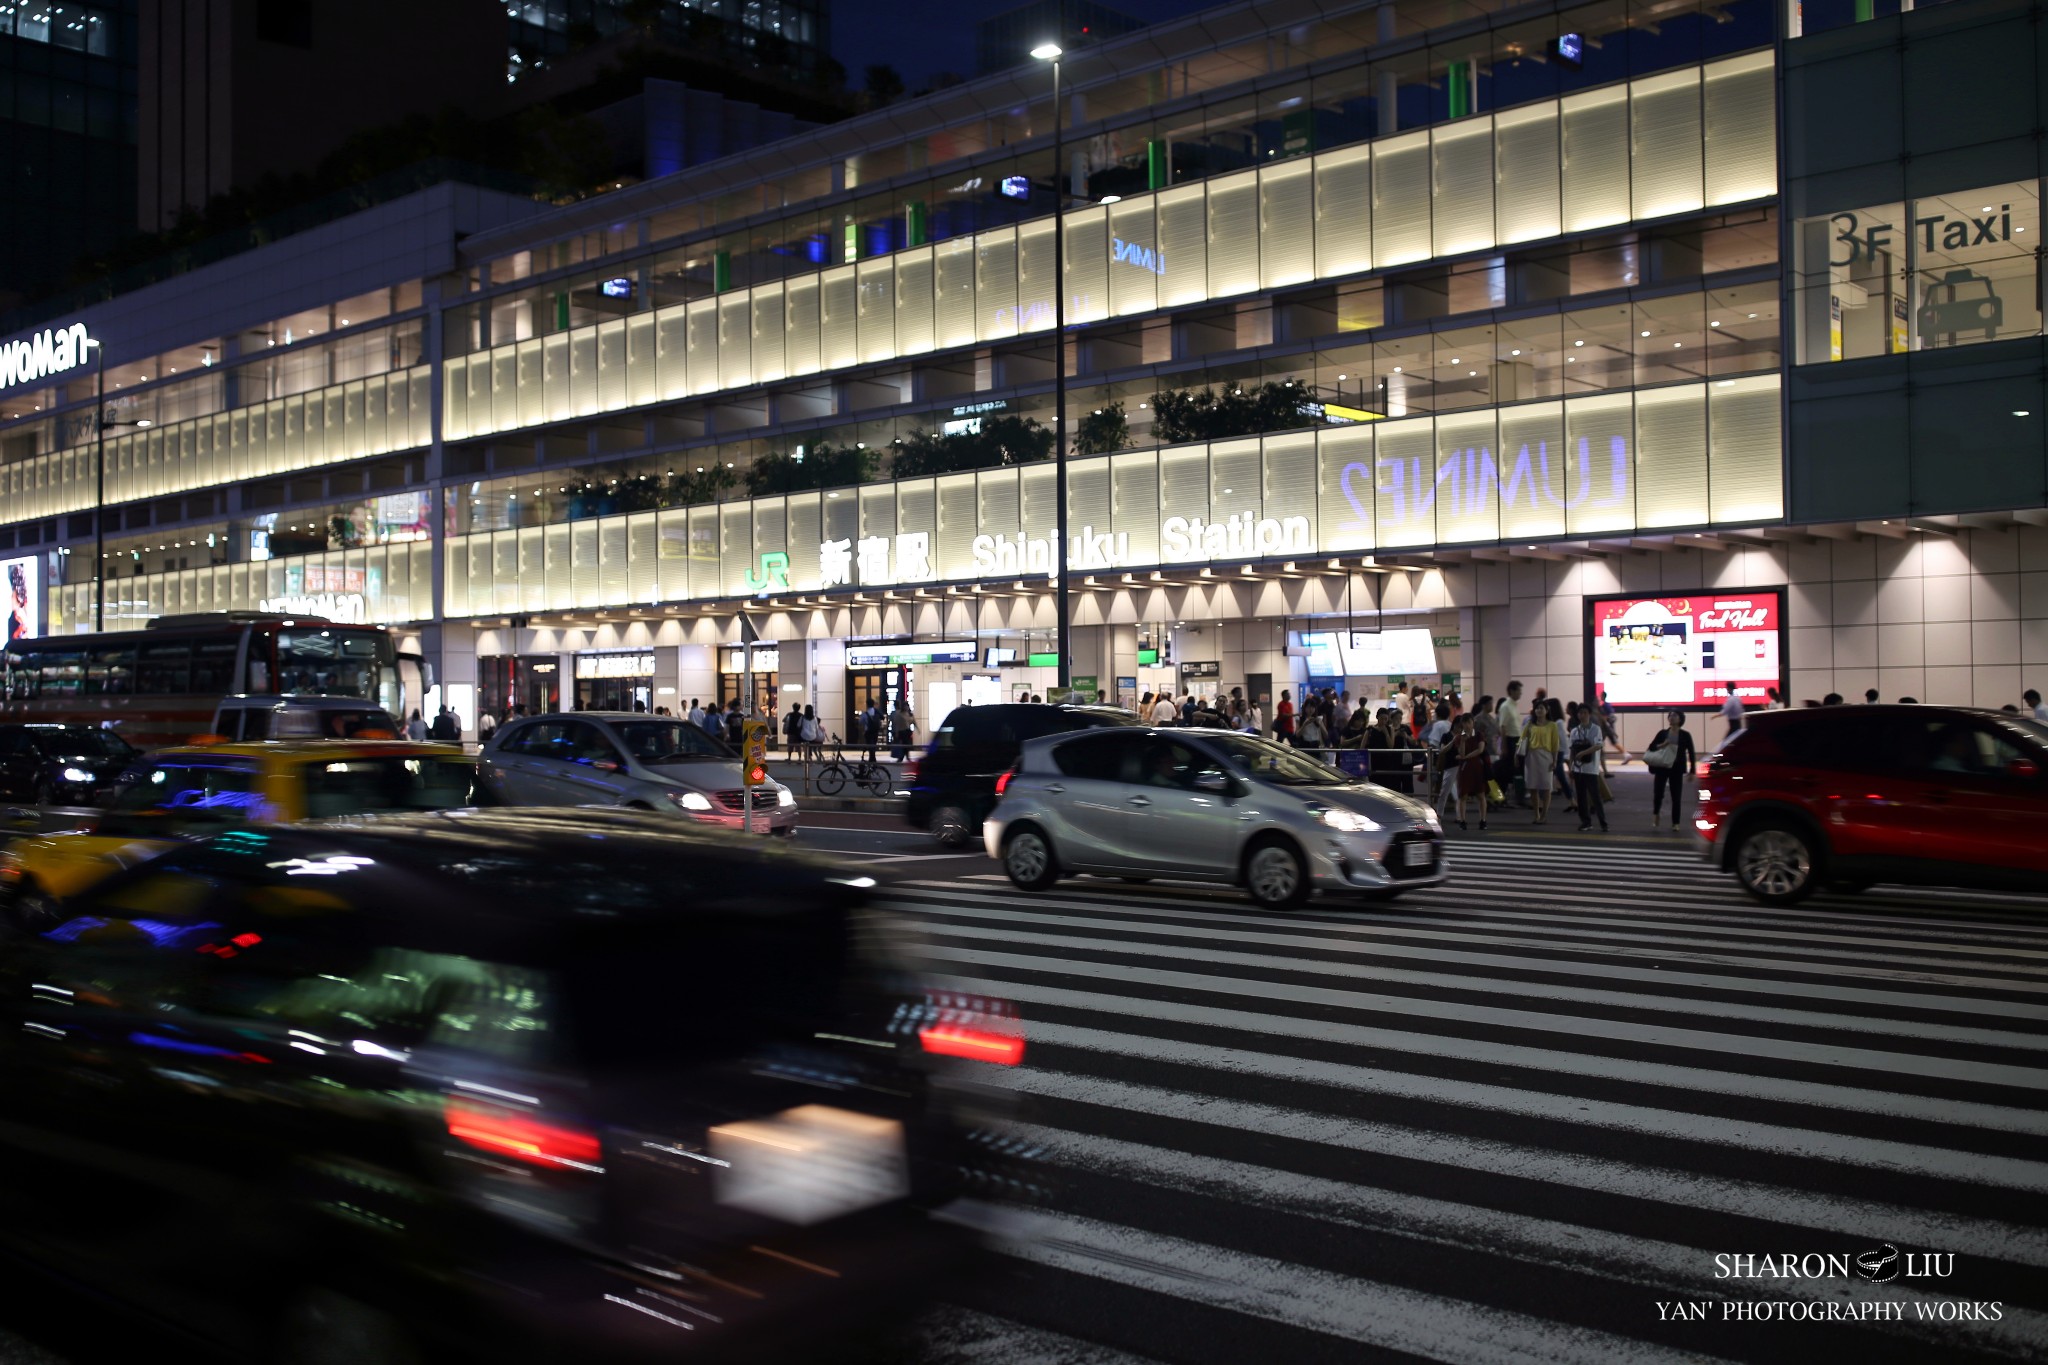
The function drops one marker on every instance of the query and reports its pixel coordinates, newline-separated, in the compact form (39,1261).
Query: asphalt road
(1515,1118)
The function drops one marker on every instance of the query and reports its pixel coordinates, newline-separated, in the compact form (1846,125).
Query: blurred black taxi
(502,1085)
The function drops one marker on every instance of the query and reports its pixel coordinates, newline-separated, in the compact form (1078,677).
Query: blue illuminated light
(1015,187)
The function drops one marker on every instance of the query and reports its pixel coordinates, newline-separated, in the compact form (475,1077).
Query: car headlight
(77,775)
(690,800)
(785,797)
(1436,826)
(1346,821)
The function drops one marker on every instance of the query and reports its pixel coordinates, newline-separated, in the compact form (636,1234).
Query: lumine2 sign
(48,353)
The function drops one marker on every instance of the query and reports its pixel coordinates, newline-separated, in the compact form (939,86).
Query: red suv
(1846,796)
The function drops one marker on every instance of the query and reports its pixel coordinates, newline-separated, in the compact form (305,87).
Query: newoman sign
(45,355)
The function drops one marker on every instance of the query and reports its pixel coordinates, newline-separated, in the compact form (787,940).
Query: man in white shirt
(1340,716)
(696,714)
(2035,707)
(1164,712)
(1583,745)
(1732,712)
(1509,717)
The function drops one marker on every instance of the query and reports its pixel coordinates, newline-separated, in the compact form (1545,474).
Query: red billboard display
(1687,651)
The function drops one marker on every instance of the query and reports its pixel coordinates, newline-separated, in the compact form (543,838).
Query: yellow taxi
(195,791)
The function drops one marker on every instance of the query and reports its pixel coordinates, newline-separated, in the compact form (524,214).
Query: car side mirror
(2025,769)
(1215,782)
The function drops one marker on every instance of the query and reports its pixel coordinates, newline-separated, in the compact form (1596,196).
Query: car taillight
(523,1137)
(979,1044)
(1003,782)
(910,771)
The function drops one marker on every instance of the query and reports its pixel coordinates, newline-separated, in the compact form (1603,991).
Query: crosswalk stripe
(1554,1029)
(1220,925)
(1386,1316)
(1452,1047)
(1636,1119)
(1573,1026)
(1665,1186)
(1381,949)
(1643,1261)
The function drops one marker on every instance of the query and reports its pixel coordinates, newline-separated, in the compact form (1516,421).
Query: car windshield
(1269,762)
(81,742)
(668,741)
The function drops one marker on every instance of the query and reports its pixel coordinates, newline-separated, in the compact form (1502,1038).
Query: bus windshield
(336,661)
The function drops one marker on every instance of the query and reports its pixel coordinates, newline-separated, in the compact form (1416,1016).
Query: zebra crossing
(1513,1118)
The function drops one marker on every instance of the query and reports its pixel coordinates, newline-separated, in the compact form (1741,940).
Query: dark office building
(785,38)
(1004,40)
(67,120)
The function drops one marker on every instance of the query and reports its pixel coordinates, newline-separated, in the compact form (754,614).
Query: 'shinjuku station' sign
(45,355)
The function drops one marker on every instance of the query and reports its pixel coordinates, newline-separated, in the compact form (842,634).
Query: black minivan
(953,785)
(493,1085)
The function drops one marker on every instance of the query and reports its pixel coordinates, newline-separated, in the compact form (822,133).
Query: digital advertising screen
(22,600)
(1396,653)
(1688,651)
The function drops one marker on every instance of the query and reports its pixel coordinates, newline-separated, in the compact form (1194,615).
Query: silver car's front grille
(737,800)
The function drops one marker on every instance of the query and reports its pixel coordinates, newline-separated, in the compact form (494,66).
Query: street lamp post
(1050,52)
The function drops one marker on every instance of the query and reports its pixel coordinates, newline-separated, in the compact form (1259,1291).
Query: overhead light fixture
(1046,52)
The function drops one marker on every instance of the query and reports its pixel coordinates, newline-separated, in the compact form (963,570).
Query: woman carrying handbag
(1468,755)
(1670,757)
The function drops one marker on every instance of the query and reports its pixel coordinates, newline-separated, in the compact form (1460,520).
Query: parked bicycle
(870,777)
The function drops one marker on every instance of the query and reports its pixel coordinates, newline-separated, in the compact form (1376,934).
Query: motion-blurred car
(953,783)
(1843,797)
(625,758)
(275,717)
(1207,805)
(58,764)
(193,791)
(564,1085)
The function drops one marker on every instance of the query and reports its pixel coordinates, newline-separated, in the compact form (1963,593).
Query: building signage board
(1201,668)
(349,608)
(45,355)
(1687,651)
(612,665)
(23,600)
(888,656)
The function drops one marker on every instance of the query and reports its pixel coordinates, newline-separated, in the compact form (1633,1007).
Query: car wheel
(1027,857)
(322,1327)
(1777,864)
(952,826)
(1275,876)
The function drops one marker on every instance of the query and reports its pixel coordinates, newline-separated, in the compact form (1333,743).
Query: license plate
(1418,855)
(808,1164)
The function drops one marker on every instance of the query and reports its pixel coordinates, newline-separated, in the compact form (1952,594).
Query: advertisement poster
(23,598)
(1687,651)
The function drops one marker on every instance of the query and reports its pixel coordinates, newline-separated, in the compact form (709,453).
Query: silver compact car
(624,758)
(1206,805)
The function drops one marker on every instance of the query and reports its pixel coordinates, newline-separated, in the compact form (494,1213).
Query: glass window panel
(1001,512)
(1287,223)
(735,545)
(1183,246)
(768,334)
(643,381)
(482,417)
(612,557)
(1235,485)
(611,365)
(876,308)
(1135,261)
(914,301)
(804,348)
(1343,212)
(1526,203)
(1344,487)
(671,349)
(1183,499)
(954,311)
(1134,503)
(1404,493)
(1595,157)
(555,570)
(1087,265)
(1746,469)
(996,283)
(953,547)
(533,582)
(735,340)
(1034,275)
(1532,474)
(1400,200)
(803,530)
(1467,478)
(672,574)
(1671,456)
(455,585)
(1598,431)
(1741,129)
(504,573)
(706,566)
(1288,476)
(455,398)
(701,340)
(1664,115)
(582,371)
(555,376)
(1233,234)
(1462,185)
(838,329)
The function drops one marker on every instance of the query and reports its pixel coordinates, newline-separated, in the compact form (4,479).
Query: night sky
(920,37)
